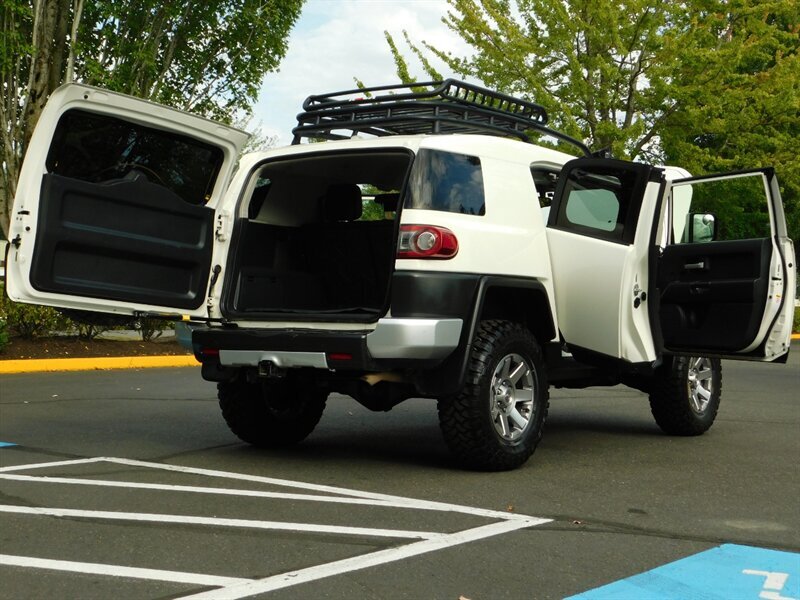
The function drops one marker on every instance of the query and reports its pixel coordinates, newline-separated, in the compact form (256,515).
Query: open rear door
(115,205)
(726,274)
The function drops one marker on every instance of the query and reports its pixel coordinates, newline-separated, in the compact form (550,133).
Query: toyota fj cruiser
(439,254)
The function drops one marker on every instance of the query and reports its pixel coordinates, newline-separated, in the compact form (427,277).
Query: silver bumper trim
(414,338)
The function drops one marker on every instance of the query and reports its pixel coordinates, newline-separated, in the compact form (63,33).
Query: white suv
(444,256)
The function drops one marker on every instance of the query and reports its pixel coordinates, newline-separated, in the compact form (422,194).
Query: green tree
(207,57)
(738,91)
(591,64)
(710,85)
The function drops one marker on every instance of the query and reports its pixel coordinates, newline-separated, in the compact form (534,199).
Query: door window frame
(639,174)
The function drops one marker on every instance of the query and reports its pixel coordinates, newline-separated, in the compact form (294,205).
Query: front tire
(496,421)
(271,414)
(686,394)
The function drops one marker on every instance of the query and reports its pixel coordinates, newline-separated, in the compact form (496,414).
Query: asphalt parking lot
(127,484)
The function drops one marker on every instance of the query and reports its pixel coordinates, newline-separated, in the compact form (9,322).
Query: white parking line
(400,500)
(217,522)
(119,571)
(364,561)
(58,463)
(194,489)
(233,588)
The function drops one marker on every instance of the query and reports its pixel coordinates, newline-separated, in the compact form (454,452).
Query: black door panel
(129,239)
(713,295)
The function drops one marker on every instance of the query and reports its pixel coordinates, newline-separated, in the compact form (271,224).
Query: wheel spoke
(506,367)
(518,373)
(704,392)
(524,394)
(706,374)
(505,431)
(518,419)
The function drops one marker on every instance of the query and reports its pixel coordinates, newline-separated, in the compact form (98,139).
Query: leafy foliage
(206,57)
(151,329)
(87,331)
(737,89)
(710,85)
(3,332)
(30,321)
(587,63)
(739,206)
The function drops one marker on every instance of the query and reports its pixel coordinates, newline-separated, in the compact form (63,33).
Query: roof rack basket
(433,107)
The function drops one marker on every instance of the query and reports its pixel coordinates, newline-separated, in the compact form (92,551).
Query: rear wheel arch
(525,303)
(515,300)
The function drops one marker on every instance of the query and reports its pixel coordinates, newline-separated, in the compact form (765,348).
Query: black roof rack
(448,106)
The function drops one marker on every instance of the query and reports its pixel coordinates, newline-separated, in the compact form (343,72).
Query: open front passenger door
(726,274)
(115,205)
(645,265)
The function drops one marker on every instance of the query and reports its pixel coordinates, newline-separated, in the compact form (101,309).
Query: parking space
(95,492)
(129,485)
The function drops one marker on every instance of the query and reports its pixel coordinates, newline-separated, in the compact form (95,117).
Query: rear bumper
(394,343)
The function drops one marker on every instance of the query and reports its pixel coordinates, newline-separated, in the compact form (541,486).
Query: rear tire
(496,421)
(270,414)
(686,394)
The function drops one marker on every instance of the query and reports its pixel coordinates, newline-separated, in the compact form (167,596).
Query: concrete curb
(42,365)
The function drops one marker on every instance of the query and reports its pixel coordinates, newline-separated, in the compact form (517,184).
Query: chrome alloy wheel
(699,383)
(512,393)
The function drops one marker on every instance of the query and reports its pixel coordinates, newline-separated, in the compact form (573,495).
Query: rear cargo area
(316,236)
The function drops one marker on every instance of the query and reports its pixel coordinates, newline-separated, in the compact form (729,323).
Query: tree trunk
(45,69)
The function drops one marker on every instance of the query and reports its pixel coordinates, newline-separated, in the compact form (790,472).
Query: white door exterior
(630,284)
(116,205)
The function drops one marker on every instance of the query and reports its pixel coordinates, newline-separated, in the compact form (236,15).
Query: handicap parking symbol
(727,572)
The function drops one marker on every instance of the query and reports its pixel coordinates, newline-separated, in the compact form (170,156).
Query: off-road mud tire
(470,420)
(671,396)
(270,414)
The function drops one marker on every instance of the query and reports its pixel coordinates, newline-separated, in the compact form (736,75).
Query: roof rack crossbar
(448,106)
(400,126)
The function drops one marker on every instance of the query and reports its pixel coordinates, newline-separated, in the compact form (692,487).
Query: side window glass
(596,209)
(448,182)
(729,208)
(599,203)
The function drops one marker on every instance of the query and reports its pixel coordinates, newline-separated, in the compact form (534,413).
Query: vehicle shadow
(575,424)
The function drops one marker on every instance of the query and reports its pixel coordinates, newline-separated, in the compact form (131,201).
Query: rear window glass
(99,148)
(448,182)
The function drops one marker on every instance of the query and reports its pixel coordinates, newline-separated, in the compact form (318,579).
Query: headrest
(388,201)
(342,202)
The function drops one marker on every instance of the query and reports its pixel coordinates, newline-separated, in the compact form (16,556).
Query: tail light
(426,241)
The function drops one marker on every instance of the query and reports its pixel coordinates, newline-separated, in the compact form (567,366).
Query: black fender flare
(449,376)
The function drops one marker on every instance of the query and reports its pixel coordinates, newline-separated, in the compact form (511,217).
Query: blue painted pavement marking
(6,444)
(728,572)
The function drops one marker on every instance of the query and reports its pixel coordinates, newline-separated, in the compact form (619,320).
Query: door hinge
(214,276)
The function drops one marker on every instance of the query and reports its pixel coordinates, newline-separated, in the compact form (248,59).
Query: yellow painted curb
(91,364)
(42,365)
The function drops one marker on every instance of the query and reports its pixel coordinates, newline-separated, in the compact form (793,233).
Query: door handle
(695,266)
